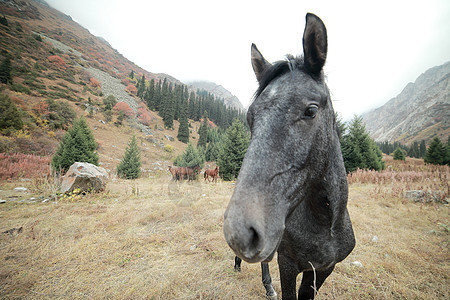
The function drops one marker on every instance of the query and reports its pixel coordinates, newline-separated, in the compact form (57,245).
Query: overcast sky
(374,47)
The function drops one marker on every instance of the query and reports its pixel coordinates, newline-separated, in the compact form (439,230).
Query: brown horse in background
(173,171)
(214,173)
(189,172)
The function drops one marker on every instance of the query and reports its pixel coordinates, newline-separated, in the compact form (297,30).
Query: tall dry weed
(402,176)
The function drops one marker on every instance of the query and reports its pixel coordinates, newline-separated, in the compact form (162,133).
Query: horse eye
(310,112)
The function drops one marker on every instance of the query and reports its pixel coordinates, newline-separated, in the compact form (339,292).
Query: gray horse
(291,193)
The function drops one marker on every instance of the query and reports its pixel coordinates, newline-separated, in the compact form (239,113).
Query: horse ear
(259,63)
(315,44)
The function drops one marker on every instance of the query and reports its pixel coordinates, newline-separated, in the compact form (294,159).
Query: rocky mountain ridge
(420,112)
(219,91)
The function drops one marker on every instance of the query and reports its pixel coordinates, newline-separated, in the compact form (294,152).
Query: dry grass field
(157,239)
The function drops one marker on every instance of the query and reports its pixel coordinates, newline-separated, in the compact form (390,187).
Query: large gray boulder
(84,176)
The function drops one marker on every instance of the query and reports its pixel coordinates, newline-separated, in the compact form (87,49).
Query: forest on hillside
(175,102)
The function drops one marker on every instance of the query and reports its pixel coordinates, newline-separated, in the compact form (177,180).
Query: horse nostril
(254,238)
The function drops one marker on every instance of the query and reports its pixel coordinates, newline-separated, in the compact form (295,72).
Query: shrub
(131,89)
(60,114)
(20,165)
(95,82)
(9,115)
(399,154)
(168,148)
(109,102)
(58,61)
(17,87)
(144,115)
(125,108)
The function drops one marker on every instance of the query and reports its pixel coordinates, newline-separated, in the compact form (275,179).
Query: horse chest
(305,241)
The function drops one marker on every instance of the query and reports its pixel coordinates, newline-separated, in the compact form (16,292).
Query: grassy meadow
(154,238)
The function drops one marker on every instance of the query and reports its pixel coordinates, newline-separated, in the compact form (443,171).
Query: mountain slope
(420,112)
(219,91)
(55,59)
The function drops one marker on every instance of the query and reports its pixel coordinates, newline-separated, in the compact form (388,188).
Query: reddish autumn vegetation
(125,108)
(131,89)
(19,165)
(41,109)
(95,82)
(58,61)
(144,116)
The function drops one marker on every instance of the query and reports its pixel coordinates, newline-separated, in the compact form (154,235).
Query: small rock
(357,264)
(375,239)
(45,200)
(2,201)
(20,189)
(193,247)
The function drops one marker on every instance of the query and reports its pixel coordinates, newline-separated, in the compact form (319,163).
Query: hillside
(219,91)
(58,66)
(420,112)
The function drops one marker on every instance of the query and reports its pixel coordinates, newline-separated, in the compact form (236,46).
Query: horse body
(173,171)
(214,173)
(189,172)
(291,193)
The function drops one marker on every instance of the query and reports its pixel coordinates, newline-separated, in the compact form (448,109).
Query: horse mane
(280,68)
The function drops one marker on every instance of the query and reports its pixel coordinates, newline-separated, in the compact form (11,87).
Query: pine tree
(191,157)
(183,130)
(234,148)
(212,151)
(399,154)
(3,21)
(436,153)
(447,152)
(78,145)
(9,115)
(203,132)
(359,150)
(422,149)
(414,150)
(130,165)
(5,70)
(141,87)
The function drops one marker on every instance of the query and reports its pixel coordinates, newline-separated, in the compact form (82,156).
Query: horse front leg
(288,277)
(311,282)
(267,282)
(237,264)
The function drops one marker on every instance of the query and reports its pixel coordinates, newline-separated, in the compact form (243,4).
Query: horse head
(293,128)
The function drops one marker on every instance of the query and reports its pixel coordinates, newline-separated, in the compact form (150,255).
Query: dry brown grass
(157,239)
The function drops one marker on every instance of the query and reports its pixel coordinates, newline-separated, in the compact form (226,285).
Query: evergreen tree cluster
(416,149)
(358,149)
(174,102)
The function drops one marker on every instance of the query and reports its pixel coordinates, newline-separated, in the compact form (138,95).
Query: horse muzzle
(249,237)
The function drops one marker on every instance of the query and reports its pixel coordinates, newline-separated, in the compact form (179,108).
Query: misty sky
(374,47)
